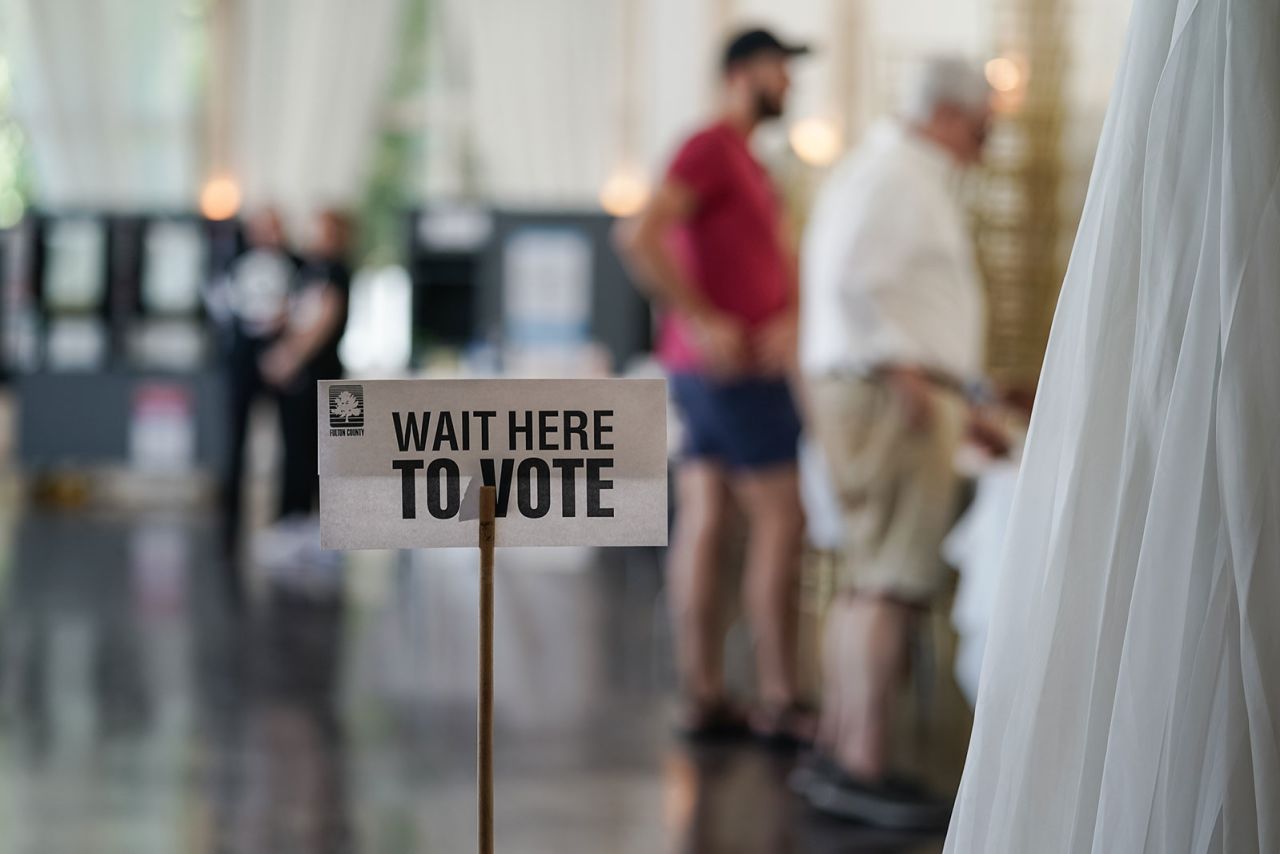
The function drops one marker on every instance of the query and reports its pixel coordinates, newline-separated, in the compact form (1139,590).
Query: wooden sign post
(435,463)
(484,704)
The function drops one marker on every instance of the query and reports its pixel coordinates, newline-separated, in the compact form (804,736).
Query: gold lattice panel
(1019,224)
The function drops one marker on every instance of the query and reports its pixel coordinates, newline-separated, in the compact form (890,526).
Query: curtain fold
(111,94)
(1130,697)
(309,88)
(104,92)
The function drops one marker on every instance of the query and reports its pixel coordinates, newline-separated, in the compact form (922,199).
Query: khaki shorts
(897,486)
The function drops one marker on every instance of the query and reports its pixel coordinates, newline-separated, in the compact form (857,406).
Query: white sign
(574,462)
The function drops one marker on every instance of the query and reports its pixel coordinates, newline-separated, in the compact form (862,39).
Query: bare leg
(771,500)
(835,646)
(869,671)
(693,570)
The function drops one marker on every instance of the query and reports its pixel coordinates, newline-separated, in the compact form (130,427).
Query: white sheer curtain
(526,100)
(105,93)
(1130,700)
(111,94)
(310,81)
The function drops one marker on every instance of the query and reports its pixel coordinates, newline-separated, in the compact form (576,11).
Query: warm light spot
(1004,74)
(816,141)
(220,198)
(624,192)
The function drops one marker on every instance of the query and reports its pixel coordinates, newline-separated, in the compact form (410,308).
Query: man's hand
(722,341)
(915,395)
(775,345)
(281,364)
(644,246)
(986,432)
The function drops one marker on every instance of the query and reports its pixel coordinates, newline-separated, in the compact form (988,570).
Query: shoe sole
(803,781)
(828,798)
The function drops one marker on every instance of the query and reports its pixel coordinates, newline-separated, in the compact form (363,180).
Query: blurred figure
(306,352)
(892,335)
(710,249)
(289,552)
(283,321)
(252,305)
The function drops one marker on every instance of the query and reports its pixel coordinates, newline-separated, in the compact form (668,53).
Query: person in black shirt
(306,352)
(252,307)
(286,316)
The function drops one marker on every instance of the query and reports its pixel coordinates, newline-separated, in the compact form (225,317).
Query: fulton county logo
(346,410)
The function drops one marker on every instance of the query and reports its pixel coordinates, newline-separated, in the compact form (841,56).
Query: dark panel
(620,316)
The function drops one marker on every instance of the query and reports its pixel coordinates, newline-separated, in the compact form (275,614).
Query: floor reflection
(273,757)
(726,799)
(140,712)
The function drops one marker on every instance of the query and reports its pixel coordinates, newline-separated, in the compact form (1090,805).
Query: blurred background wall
(485,148)
(387,106)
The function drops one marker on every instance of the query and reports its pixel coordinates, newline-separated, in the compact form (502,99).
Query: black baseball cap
(750,43)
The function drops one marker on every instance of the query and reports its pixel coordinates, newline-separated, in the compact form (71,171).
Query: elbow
(636,248)
(626,240)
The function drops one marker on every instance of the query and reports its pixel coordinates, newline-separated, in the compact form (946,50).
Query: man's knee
(703,516)
(701,502)
(772,499)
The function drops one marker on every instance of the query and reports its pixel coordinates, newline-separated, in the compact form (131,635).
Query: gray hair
(945,80)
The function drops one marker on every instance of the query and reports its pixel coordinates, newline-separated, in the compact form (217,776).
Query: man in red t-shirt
(710,249)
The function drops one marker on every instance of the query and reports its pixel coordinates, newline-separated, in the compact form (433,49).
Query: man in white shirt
(892,327)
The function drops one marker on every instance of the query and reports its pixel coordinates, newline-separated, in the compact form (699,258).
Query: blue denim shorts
(743,424)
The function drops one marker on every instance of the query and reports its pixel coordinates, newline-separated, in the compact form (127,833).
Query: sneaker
(890,803)
(812,769)
(787,727)
(714,722)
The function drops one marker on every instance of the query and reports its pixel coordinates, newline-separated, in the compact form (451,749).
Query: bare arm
(282,362)
(643,246)
(642,243)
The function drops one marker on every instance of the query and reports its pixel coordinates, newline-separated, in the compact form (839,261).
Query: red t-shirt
(732,245)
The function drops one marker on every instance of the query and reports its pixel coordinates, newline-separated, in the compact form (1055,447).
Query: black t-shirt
(318,273)
(259,288)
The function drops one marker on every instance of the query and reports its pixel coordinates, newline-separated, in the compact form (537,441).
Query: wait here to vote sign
(573,462)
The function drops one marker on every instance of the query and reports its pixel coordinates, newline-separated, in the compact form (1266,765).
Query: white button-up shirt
(887,266)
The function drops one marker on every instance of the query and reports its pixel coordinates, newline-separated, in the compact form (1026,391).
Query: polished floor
(140,714)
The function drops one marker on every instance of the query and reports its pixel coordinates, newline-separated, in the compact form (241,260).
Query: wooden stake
(484,715)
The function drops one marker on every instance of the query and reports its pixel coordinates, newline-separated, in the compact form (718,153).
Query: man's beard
(768,106)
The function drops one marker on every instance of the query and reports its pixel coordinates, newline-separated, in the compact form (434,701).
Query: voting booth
(106,340)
